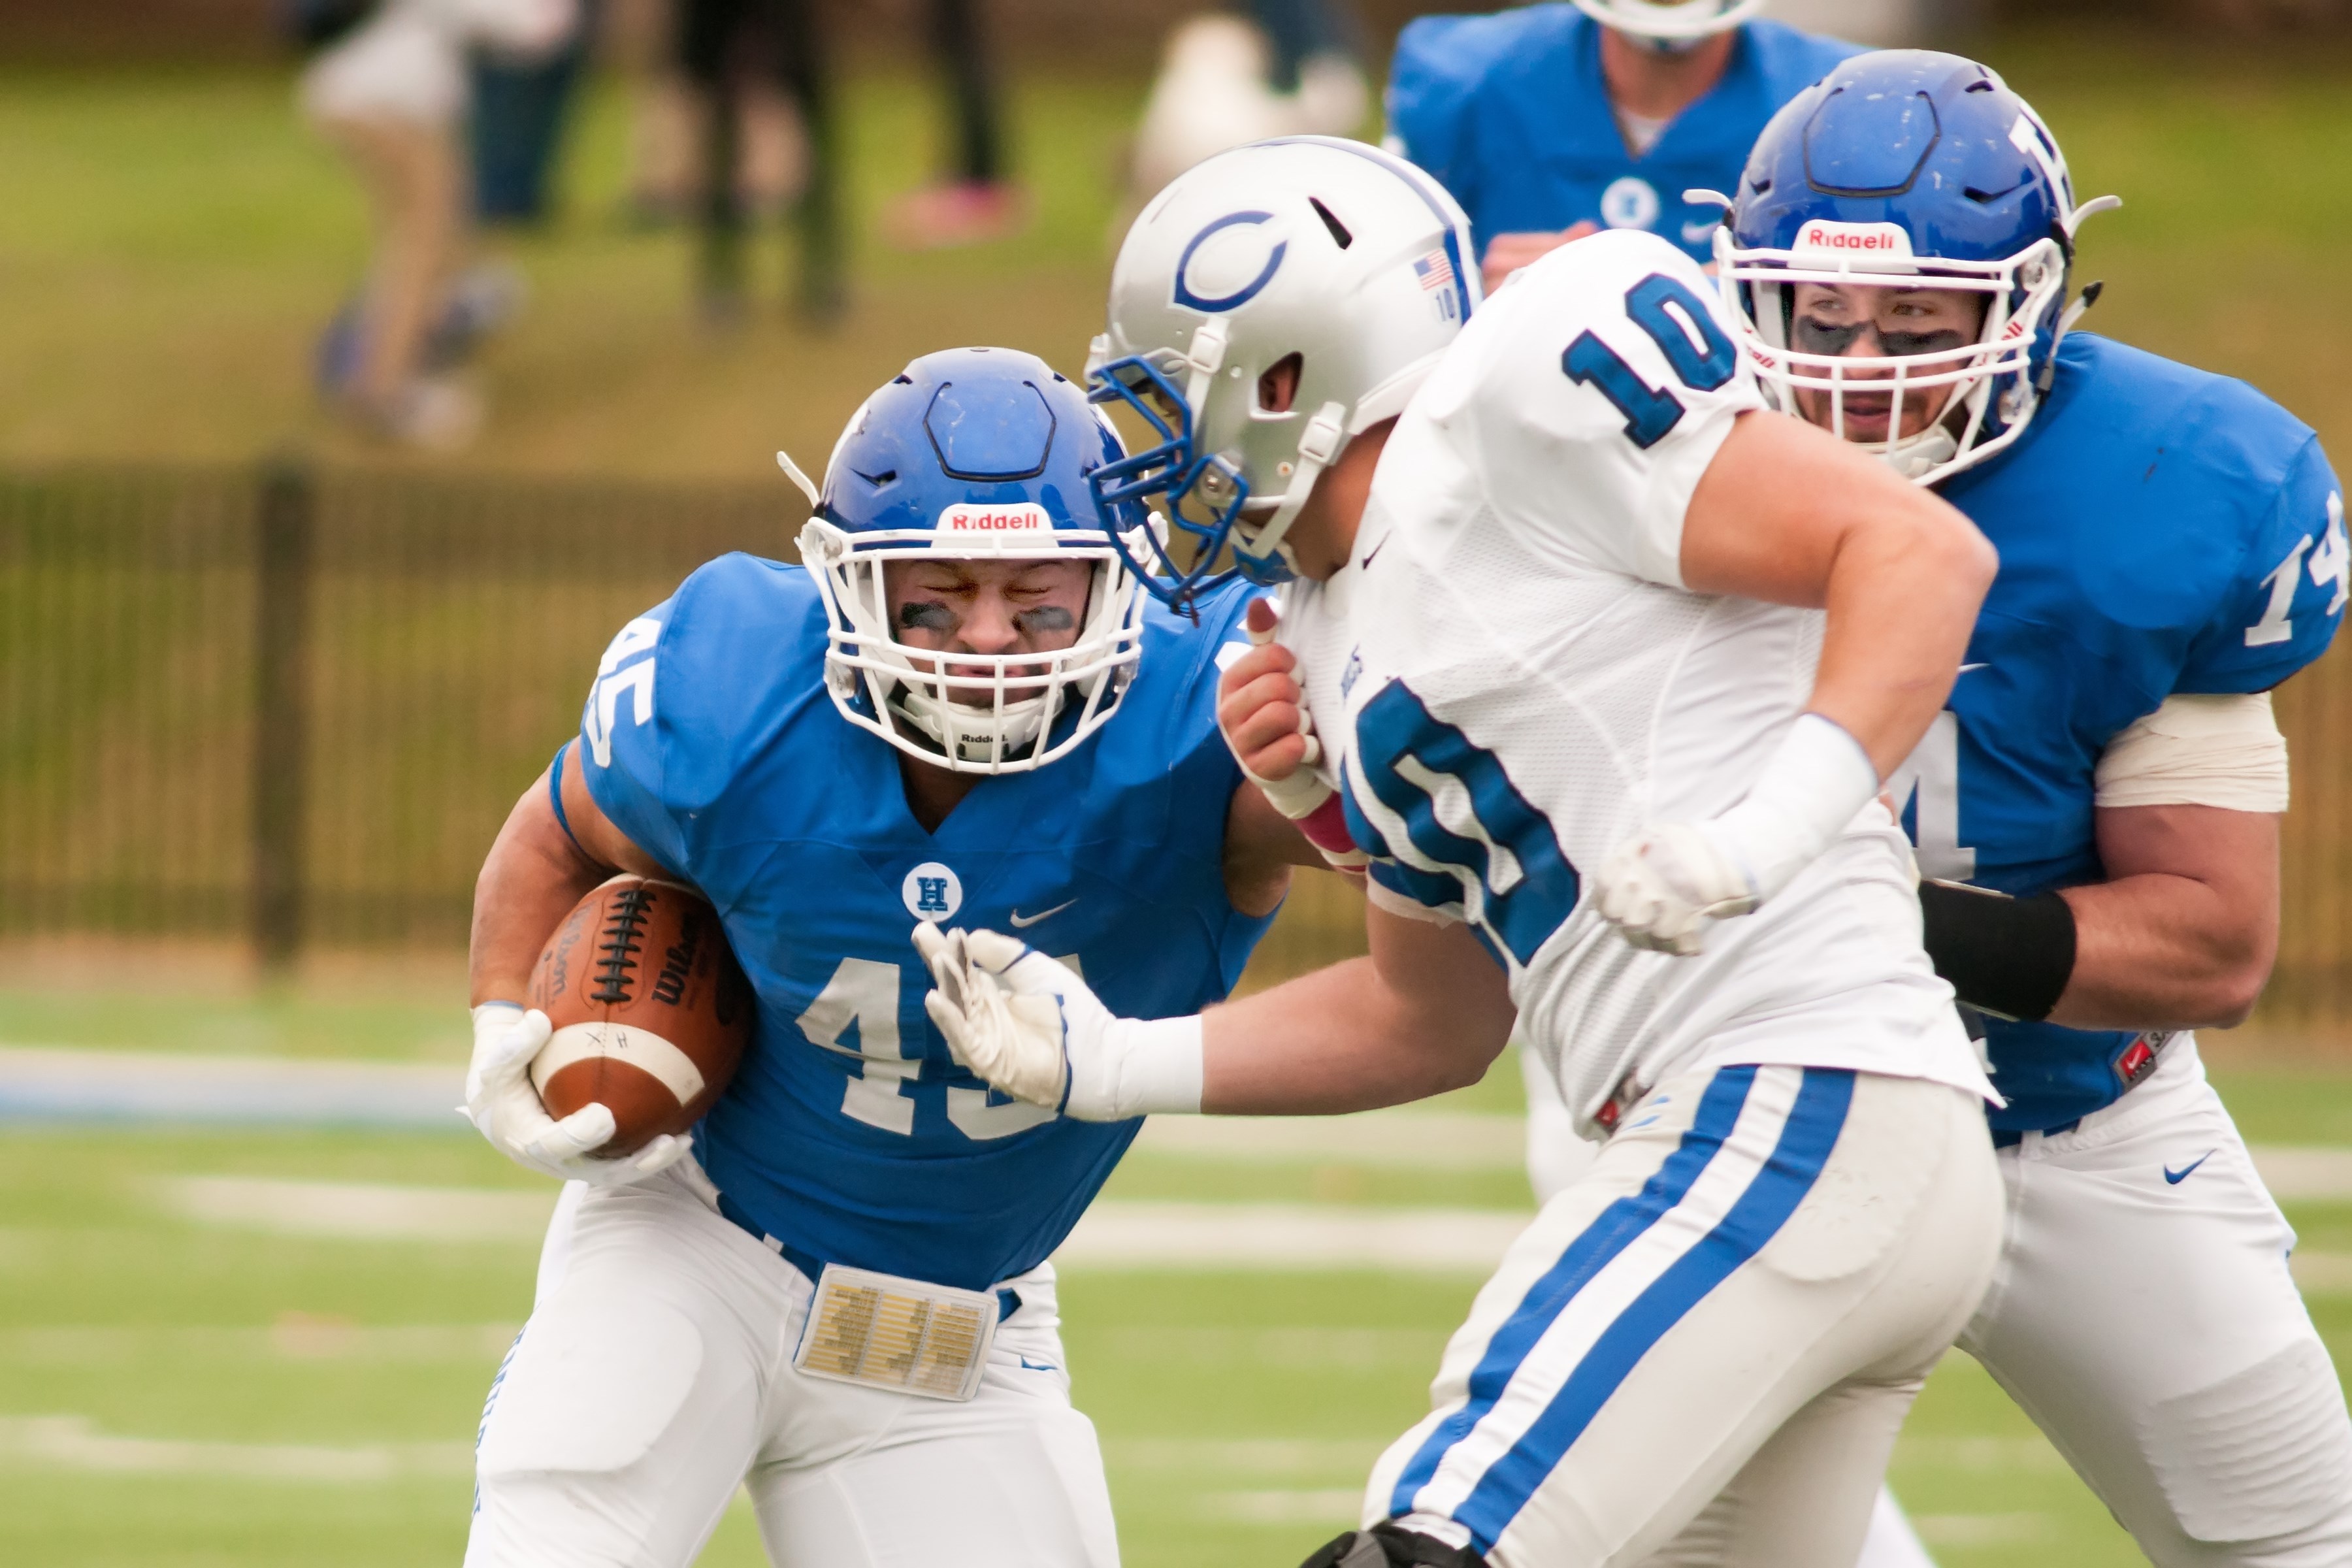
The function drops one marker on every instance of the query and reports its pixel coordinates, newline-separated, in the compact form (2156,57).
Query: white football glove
(1662,885)
(1031,1028)
(501,1102)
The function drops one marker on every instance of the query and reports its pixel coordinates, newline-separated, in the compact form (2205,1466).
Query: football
(651,1012)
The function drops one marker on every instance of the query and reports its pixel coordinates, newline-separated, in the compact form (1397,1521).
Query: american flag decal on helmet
(1435,271)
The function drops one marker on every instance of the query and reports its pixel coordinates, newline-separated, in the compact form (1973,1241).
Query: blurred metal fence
(298,705)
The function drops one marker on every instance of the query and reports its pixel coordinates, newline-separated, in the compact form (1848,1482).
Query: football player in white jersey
(1609,668)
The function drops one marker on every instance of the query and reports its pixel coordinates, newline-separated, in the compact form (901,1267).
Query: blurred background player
(1226,80)
(961,707)
(1609,771)
(976,199)
(2100,804)
(521,110)
(392,93)
(723,47)
(1552,121)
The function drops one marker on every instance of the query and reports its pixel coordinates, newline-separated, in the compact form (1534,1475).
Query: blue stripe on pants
(1616,1228)
(1796,1162)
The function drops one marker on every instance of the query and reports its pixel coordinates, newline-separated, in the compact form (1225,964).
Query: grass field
(176,1393)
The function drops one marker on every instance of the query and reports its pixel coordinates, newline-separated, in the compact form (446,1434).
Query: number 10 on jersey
(1678,321)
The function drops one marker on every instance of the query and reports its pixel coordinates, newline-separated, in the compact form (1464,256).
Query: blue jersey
(1510,113)
(2161,530)
(849,1133)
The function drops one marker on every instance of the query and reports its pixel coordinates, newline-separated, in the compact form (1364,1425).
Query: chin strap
(1319,447)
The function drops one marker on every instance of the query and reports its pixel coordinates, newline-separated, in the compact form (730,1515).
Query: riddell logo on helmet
(1020,517)
(1853,238)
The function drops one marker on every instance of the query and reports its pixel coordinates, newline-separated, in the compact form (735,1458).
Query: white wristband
(1156,1066)
(1810,791)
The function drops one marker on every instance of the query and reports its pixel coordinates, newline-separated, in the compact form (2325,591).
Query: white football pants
(1555,1157)
(1701,1351)
(2144,1316)
(656,1374)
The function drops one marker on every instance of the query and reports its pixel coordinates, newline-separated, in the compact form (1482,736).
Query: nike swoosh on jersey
(1375,550)
(1023,922)
(1966,667)
(2174,1178)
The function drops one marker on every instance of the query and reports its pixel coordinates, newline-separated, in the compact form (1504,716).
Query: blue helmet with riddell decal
(973,453)
(1907,169)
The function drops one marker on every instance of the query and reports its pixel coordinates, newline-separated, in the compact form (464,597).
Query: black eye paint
(927,615)
(1818,336)
(1904,345)
(1044,618)
(1815,337)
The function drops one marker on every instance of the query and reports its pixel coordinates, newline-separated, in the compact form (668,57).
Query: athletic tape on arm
(2223,751)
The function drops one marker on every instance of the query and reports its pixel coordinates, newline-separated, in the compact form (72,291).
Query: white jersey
(1528,683)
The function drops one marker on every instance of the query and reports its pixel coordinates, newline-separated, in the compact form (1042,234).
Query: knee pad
(2264,1453)
(1386,1546)
(589,1388)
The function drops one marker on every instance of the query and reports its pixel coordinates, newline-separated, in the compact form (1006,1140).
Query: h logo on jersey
(932,891)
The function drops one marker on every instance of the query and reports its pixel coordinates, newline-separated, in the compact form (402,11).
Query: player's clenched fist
(1262,712)
(1661,886)
(1034,1030)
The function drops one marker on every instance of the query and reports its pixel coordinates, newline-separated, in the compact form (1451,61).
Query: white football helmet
(1348,258)
(1669,21)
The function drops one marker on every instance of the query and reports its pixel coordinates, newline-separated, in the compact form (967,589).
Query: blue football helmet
(973,453)
(1908,167)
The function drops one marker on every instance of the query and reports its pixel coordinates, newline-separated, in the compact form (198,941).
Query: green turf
(1238,1412)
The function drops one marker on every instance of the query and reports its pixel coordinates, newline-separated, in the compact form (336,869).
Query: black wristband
(2009,957)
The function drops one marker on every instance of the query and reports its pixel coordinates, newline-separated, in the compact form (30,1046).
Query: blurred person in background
(728,48)
(1553,121)
(392,93)
(521,109)
(976,200)
(1226,80)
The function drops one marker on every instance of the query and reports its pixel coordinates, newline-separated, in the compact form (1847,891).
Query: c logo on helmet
(1247,291)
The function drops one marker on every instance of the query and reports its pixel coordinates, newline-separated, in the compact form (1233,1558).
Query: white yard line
(1338,1507)
(294,1337)
(1113,1235)
(75,1443)
(44,1084)
(364,1211)
(1288,1237)
(62,1084)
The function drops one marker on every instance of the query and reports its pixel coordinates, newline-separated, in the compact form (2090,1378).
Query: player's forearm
(532,877)
(1903,598)
(2159,951)
(1790,515)
(1371,1031)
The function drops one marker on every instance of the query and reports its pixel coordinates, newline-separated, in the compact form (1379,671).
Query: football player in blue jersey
(957,706)
(2099,805)
(1548,122)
